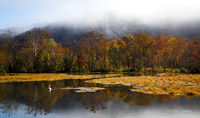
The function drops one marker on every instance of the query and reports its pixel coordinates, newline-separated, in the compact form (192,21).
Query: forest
(94,52)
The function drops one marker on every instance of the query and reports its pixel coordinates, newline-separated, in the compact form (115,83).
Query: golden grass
(48,77)
(183,84)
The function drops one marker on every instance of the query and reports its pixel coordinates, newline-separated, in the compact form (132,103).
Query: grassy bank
(182,84)
(18,77)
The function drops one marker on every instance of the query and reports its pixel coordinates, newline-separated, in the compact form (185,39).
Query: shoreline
(28,77)
(161,84)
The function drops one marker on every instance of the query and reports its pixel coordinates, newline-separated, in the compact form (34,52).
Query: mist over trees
(37,51)
(66,34)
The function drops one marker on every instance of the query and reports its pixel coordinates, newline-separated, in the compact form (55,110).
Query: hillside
(67,34)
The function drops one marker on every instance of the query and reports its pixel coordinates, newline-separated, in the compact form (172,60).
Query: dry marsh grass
(48,77)
(183,84)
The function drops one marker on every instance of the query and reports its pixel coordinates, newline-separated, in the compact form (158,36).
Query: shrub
(149,69)
(2,70)
(176,70)
(184,70)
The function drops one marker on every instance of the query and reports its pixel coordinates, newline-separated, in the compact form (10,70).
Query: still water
(32,99)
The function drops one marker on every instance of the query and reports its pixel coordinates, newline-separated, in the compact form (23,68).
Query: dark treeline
(38,52)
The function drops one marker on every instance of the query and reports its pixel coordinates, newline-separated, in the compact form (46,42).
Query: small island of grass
(84,89)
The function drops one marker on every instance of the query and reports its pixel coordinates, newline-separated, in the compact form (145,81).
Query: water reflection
(35,99)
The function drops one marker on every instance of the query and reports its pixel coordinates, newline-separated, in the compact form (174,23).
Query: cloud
(24,12)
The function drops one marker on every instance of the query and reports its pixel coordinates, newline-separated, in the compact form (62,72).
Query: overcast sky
(17,13)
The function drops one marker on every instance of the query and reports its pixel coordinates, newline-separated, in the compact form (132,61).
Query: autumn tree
(35,38)
(81,51)
(126,45)
(191,57)
(50,56)
(103,46)
(12,46)
(145,44)
(114,54)
(160,51)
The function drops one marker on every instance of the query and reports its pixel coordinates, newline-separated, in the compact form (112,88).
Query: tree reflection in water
(10,99)
(32,94)
(37,99)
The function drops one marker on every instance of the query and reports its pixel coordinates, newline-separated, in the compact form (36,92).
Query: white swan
(49,88)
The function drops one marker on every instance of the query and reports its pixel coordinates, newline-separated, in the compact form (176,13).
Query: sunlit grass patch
(48,77)
(182,84)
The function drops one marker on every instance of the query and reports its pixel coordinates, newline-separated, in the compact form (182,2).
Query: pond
(33,99)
